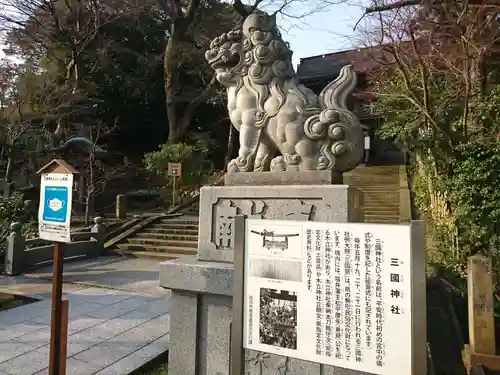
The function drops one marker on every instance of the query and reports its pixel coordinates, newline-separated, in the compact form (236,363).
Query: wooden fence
(22,254)
(481,351)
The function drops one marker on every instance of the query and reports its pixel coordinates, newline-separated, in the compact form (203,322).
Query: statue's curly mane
(267,65)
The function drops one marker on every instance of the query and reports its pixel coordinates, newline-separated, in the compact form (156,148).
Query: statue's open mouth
(225,61)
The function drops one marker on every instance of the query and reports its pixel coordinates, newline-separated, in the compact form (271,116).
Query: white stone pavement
(110,331)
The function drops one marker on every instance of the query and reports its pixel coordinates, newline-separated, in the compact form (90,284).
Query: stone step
(381,221)
(169,236)
(382,169)
(381,204)
(381,213)
(174,231)
(376,204)
(373,179)
(385,189)
(160,242)
(158,248)
(376,171)
(154,255)
(165,225)
(381,197)
(364,173)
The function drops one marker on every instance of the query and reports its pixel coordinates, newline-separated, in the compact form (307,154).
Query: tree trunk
(177,126)
(170,86)
(87,208)
(89,202)
(10,166)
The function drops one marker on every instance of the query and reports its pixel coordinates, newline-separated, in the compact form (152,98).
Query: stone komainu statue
(283,125)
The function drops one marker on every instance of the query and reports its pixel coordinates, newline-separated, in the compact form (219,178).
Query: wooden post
(121,206)
(63,353)
(480,296)
(56,318)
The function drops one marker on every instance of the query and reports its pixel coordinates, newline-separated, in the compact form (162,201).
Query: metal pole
(322,369)
(55,323)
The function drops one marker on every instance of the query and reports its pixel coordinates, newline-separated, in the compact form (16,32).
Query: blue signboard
(54,211)
(55,207)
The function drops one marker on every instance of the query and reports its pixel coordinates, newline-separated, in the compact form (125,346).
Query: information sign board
(54,213)
(349,295)
(174,169)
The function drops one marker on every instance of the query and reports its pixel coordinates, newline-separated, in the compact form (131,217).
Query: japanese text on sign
(357,277)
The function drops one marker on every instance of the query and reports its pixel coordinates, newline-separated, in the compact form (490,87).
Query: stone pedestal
(202,285)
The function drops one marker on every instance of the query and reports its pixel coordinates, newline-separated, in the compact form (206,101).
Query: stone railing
(22,254)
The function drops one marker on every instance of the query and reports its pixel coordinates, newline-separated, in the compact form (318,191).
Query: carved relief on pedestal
(224,224)
(298,210)
(253,209)
(258,363)
(225,212)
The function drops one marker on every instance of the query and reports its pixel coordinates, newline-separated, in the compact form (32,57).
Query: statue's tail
(335,94)
(339,131)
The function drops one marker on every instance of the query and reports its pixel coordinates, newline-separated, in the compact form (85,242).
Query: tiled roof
(329,65)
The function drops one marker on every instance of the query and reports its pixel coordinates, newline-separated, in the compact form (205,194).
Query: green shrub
(473,189)
(192,158)
(157,161)
(11,210)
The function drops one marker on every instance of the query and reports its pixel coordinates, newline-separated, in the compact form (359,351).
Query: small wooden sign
(174,169)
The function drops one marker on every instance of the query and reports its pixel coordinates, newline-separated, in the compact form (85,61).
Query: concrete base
(200,324)
(282,178)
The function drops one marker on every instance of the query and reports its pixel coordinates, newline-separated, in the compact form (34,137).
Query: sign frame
(418,343)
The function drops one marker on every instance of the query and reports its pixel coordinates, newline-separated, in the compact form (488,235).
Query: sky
(319,33)
(322,32)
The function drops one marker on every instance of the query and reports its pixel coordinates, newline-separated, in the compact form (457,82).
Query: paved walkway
(113,329)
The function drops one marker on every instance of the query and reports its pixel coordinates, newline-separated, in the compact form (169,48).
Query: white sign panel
(333,293)
(54,212)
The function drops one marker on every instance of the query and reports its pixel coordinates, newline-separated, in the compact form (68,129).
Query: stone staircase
(165,238)
(381,188)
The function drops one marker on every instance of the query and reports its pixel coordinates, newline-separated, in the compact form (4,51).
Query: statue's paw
(244,163)
(278,164)
(232,167)
(240,164)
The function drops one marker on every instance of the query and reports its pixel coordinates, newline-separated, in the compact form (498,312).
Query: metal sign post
(54,216)
(174,170)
